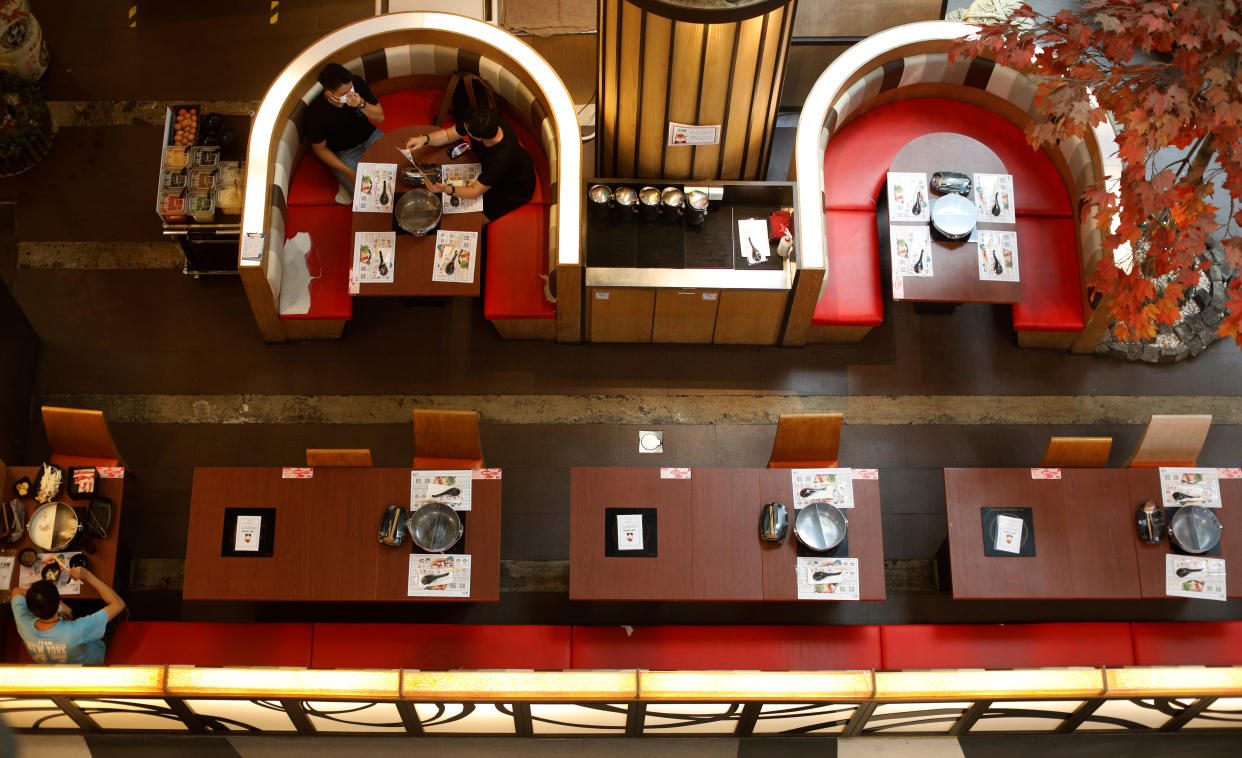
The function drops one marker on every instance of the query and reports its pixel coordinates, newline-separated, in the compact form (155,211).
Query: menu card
(246,536)
(374,187)
(374,260)
(459,175)
(994,198)
(7,562)
(827,578)
(908,197)
(1190,486)
(823,485)
(455,256)
(911,250)
(1194,577)
(438,576)
(27,576)
(1009,534)
(630,531)
(449,487)
(998,256)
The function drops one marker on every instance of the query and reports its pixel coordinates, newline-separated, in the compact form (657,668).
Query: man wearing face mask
(341,125)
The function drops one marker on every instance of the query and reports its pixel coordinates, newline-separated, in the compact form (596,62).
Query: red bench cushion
(328,260)
(768,648)
(1187,643)
(440,647)
(1006,646)
(1051,285)
(517,254)
(210,644)
(857,158)
(852,294)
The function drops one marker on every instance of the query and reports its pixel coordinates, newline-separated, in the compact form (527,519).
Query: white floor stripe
(892,747)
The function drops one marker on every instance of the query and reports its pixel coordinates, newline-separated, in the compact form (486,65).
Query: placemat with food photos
(1173,547)
(457,548)
(649,533)
(1026,549)
(267,533)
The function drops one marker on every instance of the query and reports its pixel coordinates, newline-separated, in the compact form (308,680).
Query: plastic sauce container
(176,157)
(229,173)
(202,180)
(171,206)
(205,156)
(229,199)
(201,206)
(173,180)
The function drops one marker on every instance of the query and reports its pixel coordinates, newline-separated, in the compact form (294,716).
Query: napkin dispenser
(773,522)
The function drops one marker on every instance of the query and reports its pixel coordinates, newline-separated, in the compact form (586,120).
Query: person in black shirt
(341,125)
(508,177)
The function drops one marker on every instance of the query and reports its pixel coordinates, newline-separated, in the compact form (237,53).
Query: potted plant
(25,125)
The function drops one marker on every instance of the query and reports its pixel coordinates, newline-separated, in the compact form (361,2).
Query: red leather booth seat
(166,643)
(767,648)
(517,256)
(1006,646)
(1187,643)
(1051,283)
(440,647)
(852,293)
(328,259)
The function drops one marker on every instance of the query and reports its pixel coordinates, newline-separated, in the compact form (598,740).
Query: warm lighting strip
(1020,684)
(767,686)
(519,685)
(1173,681)
(321,684)
(264,126)
(83,680)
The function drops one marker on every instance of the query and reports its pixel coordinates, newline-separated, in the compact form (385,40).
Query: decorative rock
(1151,353)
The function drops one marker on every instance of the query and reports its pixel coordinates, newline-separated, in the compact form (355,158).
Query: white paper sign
(252,246)
(690,134)
(823,485)
(998,256)
(374,187)
(455,256)
(911,250)
(375,260)
(459,175)
(630,531)
(1190,486)
(907,197)
(438,576)
(994,198)
(1195,577)
(453,488)
(7,562)
(246,537)
(1009,534)
(827,578)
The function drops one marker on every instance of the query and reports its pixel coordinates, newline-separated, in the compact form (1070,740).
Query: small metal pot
(53,527)
(435,527)
(601,200)
(418,212)
(954,216)
(626,200)
(820,526)
(672,200)
(648,204)
(696,207)
(1195,529)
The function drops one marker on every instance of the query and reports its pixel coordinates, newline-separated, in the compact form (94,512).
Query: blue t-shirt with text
(69,641)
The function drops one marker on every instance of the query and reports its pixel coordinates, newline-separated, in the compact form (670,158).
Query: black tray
(1026,549)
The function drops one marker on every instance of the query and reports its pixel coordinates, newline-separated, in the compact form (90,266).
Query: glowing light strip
(259,682)
(801,686)
(263,128)
(1173,681)
(85,680)
(1018,684)
(519,685)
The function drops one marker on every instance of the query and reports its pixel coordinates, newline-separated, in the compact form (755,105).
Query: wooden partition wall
(706,62)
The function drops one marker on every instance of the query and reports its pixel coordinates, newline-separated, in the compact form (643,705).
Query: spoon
(918,204)
(452,264)
(996,209)
(432,577)
(1185,571)
(753,249)
(450,492)
(383,267)
(918,266)
(818,575)
(808,491)
(1150,510)
(998,268)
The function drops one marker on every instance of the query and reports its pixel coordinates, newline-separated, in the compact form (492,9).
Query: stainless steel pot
(601,200)
(435,527)
(648,203)
(820,526)
(672,200)
(696,207)
(626,200)
(53,527)
(1195,529)
(418,212)
(954,216)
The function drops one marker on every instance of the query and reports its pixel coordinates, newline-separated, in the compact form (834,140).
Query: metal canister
(626,200)
(648,204)
(600,197)
(696,207)
(672,200)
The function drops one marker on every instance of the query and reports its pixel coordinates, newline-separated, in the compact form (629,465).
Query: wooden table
(1086,541)
(415,255)
(708,536)
(955,269)
(326,545)
(102,559)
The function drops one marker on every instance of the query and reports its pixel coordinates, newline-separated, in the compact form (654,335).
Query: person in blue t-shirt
(47,626)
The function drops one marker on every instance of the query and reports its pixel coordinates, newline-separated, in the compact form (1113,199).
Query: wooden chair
(1077,452)
(79,438)
(447,440)
(806,440)
(338,457)
(1171,440)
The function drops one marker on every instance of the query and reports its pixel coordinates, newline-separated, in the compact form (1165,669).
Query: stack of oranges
(185,131)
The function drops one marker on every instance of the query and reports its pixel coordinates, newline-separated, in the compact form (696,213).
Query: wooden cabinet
(620,314)
(750,317)
(685,315)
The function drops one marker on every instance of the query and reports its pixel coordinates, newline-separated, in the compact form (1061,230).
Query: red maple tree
(1167,74)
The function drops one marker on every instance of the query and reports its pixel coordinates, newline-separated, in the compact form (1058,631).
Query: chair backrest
(806,440)
(446,436)
(1171,440)
(1077,452)
(78,433)
(338,457)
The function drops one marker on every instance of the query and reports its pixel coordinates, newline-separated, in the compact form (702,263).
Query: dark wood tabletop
(326,546)
(101,553)
(708,536)
(415,255)
(1086,540)
(955,277)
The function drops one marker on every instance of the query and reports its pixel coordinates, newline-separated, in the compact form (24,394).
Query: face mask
(344,98)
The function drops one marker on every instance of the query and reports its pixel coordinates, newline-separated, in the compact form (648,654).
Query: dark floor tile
(780,747)
(1100,746)
(530,491)
(873,446)
(979,445)
(534,537)
(913,535)
(685,445)
(574,445)
(912,491)
(126,746)
(744,445)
